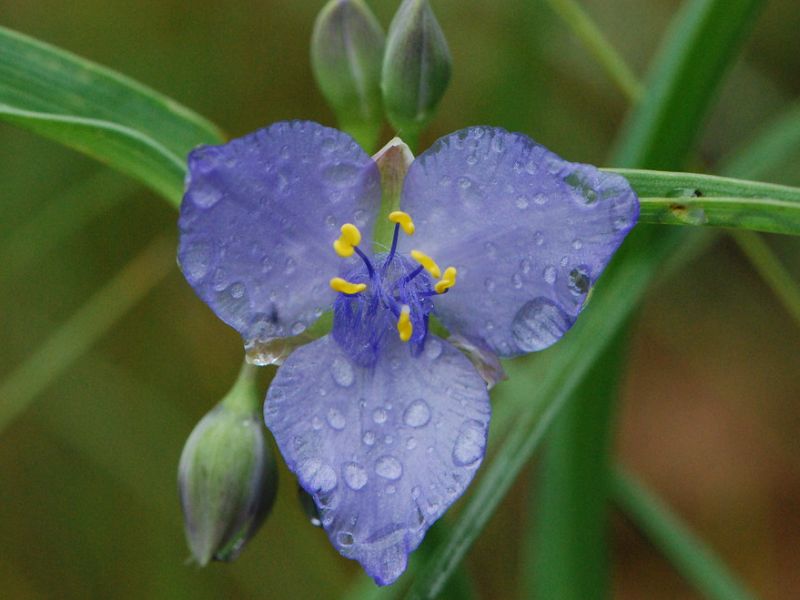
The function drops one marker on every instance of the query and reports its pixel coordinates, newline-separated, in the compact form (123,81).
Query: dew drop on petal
(342,372)
(344,538)
(379,415)
(389,467)
(417,414)
(319,476)
(470,443)
(516,280)
(316,423)
(433,348)
(550,275)
(538,324)
(205,196)
(355,476)
(411,443)
(196,261)
(236,290)
(336,419)
(368,438)
(521,202)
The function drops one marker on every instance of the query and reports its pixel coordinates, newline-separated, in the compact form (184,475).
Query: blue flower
(383,422)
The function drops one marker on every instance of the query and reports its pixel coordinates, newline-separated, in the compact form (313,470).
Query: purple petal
(383,450)
(528,232)
(259,217)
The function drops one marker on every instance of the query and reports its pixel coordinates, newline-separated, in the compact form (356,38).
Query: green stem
(771,270)
(568,535)
(598,46)
(693,559)
(243,396)
(84,328)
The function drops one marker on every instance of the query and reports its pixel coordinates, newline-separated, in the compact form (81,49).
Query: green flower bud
(416,68)
(227,475)
(346,55)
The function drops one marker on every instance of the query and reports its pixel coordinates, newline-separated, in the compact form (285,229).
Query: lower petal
(385,450)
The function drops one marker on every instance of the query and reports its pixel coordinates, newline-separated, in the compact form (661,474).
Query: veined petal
(383,450)
(258,219)
(528,231)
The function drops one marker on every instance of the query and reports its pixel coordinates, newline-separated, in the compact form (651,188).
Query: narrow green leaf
(692,199)
(695,561)
(568,550)
(697,50)
(85,327)
(99,112)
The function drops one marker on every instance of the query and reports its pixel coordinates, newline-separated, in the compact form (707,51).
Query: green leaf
(693,559)
(692,199)
(568,550)
(697,50)
(97,111)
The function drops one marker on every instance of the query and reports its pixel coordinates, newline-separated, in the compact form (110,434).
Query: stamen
(404,325)
(348,240)
(404,220)
(400,219)
(346,287)
(427,262)
(447,281)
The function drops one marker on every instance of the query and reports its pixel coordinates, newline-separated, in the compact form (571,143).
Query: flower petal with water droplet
(535,228)
(406,439)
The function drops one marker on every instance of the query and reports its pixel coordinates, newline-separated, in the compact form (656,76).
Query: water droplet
(540,199)
(298,328)
(282,184)
(433,348)
(236,290)
(538,238)
(205,196)
(470,443)
(415,492)
(355,476)
(360,218)
(585,192)
(538,324)
(316,423)
(521,202)
(388,439)
(445,181)
(289,266)
(417,414)
(498,144)
(489,284)
(317,475)
(464,183)
(344,538)
(577,244)
(525,266)
(579,281)
(342,372)
(341,174)
(368,438)
(472,159)
(550,274)
(336,419)
(433,507)
(411,443)
(389,467)
(196,261)
(516,280)
(379,415)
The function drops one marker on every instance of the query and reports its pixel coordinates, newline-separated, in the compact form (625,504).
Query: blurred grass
(88,504)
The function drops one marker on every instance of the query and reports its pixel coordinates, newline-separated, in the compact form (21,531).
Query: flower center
(393,296)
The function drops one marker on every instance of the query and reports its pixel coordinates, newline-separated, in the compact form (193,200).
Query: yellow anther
(404,326)
(427,262)
(350,238)
(345,287)
(404,220)
(447,281)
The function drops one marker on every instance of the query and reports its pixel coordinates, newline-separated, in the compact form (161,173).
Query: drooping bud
(416,68)
(346,56)
(227,475)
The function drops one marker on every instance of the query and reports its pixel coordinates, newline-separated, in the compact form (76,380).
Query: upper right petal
(258,219)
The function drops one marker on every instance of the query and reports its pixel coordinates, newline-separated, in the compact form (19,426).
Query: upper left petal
(258,219)
(384,450)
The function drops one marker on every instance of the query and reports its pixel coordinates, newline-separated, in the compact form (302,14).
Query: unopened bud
(227,475)
(346,56)
(416,68)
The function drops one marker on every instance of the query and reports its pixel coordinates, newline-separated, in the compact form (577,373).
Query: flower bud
(416,68)
(346,55)
(227,475)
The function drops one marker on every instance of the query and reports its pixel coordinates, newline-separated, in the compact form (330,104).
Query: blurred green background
(88,501)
